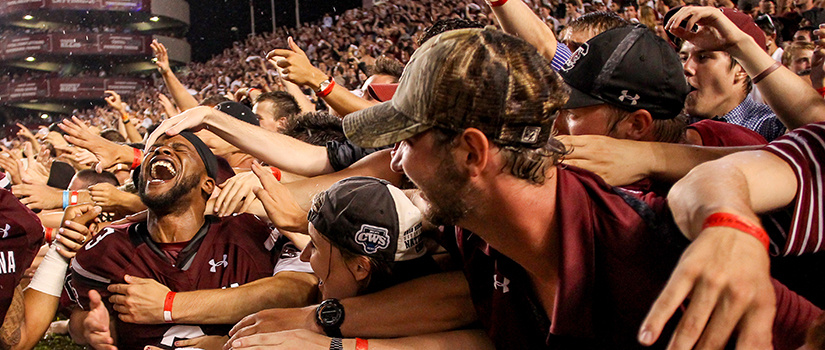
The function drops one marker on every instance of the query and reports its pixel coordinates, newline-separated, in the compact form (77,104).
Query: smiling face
(172,176)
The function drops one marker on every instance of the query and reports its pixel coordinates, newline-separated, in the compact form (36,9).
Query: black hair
(315,128)
(443,25)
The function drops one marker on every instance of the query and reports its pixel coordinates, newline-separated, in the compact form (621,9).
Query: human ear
(208,185)
(475,151)
(638,126)
(360,267)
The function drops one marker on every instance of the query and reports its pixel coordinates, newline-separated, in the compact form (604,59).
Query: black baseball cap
(371,217)
(628,67)
(239,111)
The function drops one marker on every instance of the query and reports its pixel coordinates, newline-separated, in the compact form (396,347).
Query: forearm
(345,102)
(292,155)
(517,19)
(791,98)
(374,165)
(303,101)
(132,133)
(742,184)
(226,306)
(429,304)
(130,204)
(179,94)
(671,161)
(40,309)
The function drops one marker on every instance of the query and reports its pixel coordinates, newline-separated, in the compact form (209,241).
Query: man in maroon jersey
(177,246)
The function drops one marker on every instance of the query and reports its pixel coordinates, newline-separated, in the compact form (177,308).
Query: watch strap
(336,344)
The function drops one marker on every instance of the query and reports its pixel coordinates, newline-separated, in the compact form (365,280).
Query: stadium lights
(30,59)
(154,19)
(44,116)
(28,17)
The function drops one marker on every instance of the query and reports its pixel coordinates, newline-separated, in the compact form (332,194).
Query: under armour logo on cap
(625,96)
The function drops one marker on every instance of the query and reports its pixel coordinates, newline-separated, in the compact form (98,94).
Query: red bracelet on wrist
(276,172)
(821,91)
(73,198)
(48,235)
(137,159)
(361,344)
(167,307)
(497,3)
(328,90)
(735,222)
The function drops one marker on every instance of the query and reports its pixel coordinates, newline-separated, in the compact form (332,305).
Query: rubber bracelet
(48,235)
(73,198)
(821,91)
(126,121)
(137,159)
(167,307)
(65,199)
(736,222)
(766,72)
(276,172)
(497,3)
(328,90)
(361,344)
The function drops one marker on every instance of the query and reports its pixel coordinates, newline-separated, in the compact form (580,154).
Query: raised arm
(794,101)
(298,69)
(517,19)
(182,98)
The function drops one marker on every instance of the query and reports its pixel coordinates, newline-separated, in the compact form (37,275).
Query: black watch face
(330,314)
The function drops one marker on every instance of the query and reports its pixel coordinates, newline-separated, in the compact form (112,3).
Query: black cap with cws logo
(371,217)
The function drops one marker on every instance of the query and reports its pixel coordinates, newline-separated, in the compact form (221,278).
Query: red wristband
(138,158)
(735,222)
(276,172)
(167,307)
(73,198)
(497,3)
(48,235)
(821,91)
(328,90)
(361,344)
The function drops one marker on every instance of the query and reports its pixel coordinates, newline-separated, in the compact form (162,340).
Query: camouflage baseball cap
(479,78)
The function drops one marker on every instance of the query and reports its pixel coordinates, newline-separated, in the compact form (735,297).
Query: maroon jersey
(721,134)
(21,236)
(225,253)
(617,252)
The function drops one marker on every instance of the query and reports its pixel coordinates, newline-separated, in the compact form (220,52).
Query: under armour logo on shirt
(632,99)
(503,284)
(5,230)
(219,263)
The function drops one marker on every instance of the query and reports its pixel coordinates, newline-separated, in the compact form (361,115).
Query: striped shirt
(560,57)
(804,150)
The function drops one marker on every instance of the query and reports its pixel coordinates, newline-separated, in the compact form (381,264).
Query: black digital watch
(330,315)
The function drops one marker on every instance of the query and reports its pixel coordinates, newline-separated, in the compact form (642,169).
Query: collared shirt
(757,117)
(561,56)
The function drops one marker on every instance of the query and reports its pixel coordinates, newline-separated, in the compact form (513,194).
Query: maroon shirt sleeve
(720,134)
(804,150)
(21,236)
(794,314)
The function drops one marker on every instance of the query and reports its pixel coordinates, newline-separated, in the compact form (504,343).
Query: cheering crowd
(578,175)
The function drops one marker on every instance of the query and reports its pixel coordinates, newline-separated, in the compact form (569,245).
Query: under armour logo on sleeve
(5,230)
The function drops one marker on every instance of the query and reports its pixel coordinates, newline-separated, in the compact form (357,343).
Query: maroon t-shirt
(21,236)
(618,250)
(226,253)
(721,134)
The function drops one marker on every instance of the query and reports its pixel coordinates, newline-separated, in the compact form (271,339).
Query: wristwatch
(330,315)
(324,85)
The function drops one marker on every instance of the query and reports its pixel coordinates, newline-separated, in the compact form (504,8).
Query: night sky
(212,20)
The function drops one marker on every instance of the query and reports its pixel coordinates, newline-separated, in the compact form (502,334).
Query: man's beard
(447,194)
(168,202)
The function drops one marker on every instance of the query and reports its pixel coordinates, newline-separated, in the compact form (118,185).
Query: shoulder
(16,220)
(110,250)
(721,134)
(802,145)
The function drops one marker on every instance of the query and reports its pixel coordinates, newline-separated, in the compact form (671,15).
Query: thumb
(294,47)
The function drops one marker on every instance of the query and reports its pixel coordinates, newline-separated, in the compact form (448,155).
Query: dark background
(212,20)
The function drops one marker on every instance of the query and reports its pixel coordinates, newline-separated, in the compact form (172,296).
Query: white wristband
(48,278)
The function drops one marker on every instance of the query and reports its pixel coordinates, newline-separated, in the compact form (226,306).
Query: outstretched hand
(96,329)
(161,56)
(295,66)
